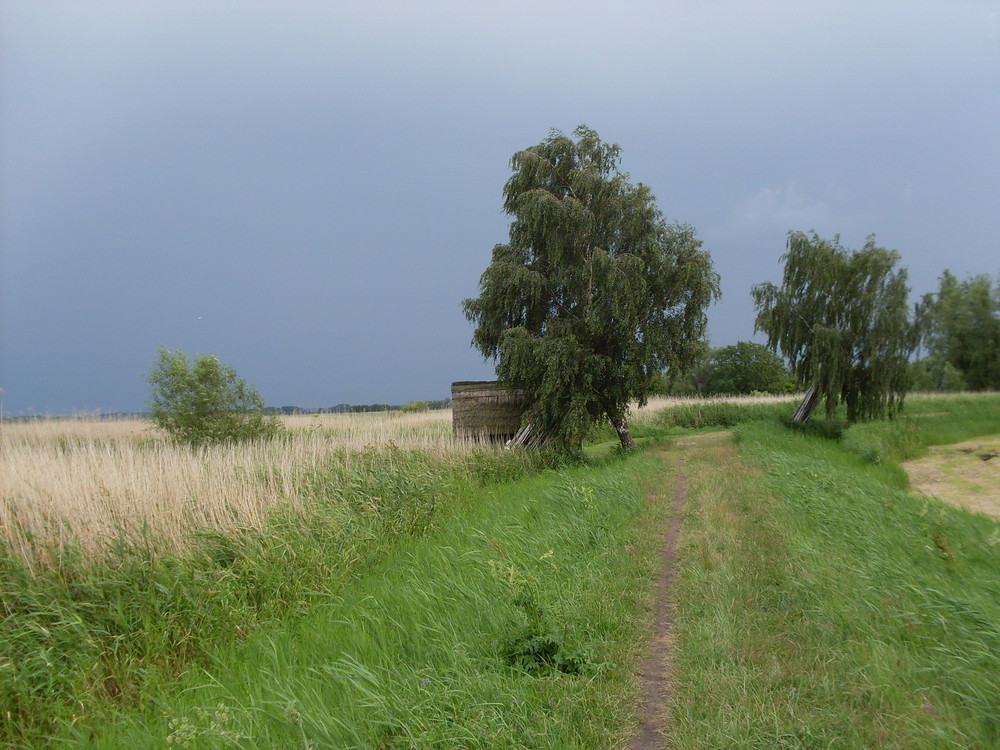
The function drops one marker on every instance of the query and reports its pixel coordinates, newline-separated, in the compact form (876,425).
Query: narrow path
(655,669)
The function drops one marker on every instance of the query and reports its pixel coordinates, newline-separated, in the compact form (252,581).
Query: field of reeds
(88,484)
(126,559)
(123,555)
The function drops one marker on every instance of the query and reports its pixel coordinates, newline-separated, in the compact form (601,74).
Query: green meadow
(484,599)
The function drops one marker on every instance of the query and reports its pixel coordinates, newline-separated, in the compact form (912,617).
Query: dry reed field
(664,402)
(88,482)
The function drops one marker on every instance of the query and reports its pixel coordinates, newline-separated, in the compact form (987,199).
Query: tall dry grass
(658,403)
(89,483)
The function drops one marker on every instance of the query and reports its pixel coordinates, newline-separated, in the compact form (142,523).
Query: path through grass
(422,603)
(822,605)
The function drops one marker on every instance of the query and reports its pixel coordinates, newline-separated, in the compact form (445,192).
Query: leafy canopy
(594,294)
(963,328)
(932,373)
(744,368)
(206,402)
(842,320)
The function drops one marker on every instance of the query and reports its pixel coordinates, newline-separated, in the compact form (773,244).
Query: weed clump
(540,646)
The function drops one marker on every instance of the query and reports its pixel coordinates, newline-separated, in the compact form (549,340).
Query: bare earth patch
(964,474)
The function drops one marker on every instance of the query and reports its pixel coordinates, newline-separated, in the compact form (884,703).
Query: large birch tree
(594,294)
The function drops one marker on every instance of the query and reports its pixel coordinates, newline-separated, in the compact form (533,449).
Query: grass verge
(82,639)
(820,605)
(515,623)
(937,420)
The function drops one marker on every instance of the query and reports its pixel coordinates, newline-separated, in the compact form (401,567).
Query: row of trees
(958,328)
(595,295)
(360,408)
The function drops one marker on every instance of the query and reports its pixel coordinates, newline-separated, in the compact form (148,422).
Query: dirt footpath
(656,669)
(964,474)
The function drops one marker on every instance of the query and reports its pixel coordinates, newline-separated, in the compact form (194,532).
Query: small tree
(842,320)
(206,402)
(416,406)
(593,295)
(747,367)
(964,328)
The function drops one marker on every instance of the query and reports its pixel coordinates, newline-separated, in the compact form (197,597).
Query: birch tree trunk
(624,433)
(808,404)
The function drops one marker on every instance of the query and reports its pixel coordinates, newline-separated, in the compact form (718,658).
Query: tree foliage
(205,402)
(594,294)
(963,328)
(933,373)
(842,320)
(692,380)
(747,367)
(416,406)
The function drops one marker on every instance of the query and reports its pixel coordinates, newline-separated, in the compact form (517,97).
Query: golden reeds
(88,482)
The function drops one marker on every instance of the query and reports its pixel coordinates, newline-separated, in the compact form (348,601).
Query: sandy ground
(964,474)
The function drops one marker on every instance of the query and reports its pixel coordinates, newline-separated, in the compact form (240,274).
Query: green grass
(516,623)
(952,419)
(82,640)
(927,421)
(823,606)
(417,602)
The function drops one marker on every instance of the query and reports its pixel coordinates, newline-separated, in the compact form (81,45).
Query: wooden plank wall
(485,410)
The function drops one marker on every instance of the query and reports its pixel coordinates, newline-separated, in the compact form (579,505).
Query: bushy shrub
(416,406)
(746,368)
(877,442)
(935,374)
(205,401)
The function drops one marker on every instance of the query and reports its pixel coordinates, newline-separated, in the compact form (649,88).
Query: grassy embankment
(378,595)
(418,602)
(515,624)
(822,604)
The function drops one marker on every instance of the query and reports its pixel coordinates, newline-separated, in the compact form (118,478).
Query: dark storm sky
(310,189)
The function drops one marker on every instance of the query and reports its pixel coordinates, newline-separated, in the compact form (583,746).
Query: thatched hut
(485,410)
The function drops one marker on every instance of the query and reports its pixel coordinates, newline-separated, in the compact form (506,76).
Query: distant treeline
(103,416)
(284,410)
(356,408)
